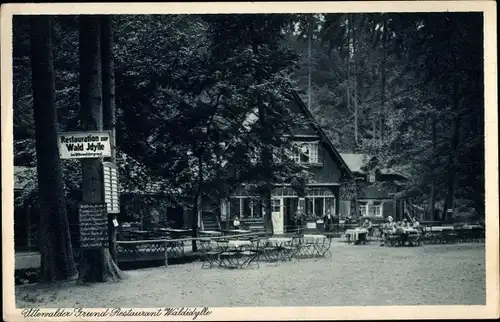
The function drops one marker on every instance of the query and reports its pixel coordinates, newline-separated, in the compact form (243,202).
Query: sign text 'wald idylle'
(84,145)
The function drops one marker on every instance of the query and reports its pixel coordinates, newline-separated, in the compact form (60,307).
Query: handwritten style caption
(194,313)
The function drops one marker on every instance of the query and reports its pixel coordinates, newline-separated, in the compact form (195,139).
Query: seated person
(388,227)
(398,227)
(415,223)
(236,222)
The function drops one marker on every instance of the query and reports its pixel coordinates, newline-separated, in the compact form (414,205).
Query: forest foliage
(191,91)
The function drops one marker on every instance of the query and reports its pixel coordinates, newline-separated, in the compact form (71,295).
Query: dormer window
(371,177)
(307,152)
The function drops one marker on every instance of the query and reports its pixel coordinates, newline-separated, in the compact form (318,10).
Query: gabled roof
(330,147)
(357,163)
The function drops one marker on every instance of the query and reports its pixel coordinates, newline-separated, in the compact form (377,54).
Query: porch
(319,201)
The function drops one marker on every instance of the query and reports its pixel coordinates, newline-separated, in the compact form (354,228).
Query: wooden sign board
(81,145)
(93,225)
(111,194)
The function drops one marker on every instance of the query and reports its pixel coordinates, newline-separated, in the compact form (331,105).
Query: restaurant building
(322,194)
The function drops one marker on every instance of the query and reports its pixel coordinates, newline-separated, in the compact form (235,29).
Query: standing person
(328,221)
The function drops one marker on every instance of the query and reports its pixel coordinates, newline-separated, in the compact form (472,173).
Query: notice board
(111,193)
(93,225)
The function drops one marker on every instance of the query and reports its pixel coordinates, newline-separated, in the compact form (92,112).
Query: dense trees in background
(409,89)
(201,101)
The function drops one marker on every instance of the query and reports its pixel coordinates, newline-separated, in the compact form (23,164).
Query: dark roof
(333,151)
(357,163)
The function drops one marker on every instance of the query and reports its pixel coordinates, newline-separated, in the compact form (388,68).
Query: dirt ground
(353,275)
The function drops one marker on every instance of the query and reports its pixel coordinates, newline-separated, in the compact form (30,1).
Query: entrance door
(278,216)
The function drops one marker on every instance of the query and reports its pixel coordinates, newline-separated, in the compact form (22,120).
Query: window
(362,208)
(309,206)
(256,208)
(276,205)
(234,207)
(302,204)
(308,152)
(247,207)
(330,206)
(376,209)
(319,206)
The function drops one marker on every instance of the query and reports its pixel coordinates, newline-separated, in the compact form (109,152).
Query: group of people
(401,227)
(401,224)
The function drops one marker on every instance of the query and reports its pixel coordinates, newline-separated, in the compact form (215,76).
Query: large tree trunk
(97,264)
(432,194)
(348,87)
(266,153)
(382,82)
(355,97)
(197,206)
(108,106)
(309,87)
(450,179)
(57,254)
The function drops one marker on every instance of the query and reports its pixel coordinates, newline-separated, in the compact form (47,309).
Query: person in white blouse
(236,222)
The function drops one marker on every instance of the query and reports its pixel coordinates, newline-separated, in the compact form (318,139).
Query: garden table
(236,254)
(282,246)
(439,228)
(279,241)
(211,233)
(353,235)
(471,227)
(313,246)
(239,243)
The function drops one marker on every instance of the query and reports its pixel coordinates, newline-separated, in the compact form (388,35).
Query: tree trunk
(108,107)
(97,264)
(266,154)
(197,203)
(309,87)
(355,98)
(57,261)
(432,200)
(382,82)
(450,180)
(348,87)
